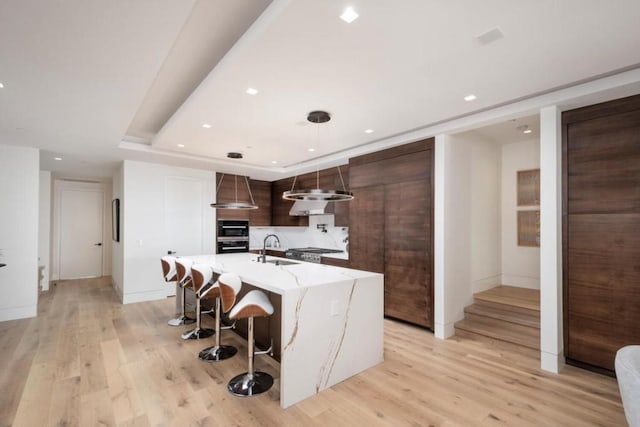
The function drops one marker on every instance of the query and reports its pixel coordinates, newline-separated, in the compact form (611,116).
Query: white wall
(520,264)
(143,226)
(44,227)
(19,181)
(486,244)
(117,248)
(467,224)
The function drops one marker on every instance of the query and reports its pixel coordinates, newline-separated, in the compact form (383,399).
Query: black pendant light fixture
(318,193)
(235,205)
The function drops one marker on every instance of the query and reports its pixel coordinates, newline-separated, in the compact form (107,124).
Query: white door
(184,219)
(81,221)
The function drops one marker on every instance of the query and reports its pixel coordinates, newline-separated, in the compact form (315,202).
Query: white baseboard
(18,313)
(144,296)
(444,330)
(551,362)
(521,281)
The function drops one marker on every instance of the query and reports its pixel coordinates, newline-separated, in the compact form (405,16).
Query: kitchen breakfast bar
(331,318)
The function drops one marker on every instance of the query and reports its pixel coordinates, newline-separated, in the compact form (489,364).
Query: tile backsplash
(321,233)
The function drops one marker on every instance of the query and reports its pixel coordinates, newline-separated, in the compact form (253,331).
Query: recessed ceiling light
(1,85)
(368,131)
(349,15)
(470,97)
(180,145)
(57,158)
(206,125)
(527,131)
(275,162)
(311,150)
(252,91)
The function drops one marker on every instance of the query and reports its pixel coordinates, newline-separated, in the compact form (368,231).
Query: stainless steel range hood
(308,207)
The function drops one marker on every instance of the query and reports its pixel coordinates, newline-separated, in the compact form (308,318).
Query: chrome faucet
(264,248)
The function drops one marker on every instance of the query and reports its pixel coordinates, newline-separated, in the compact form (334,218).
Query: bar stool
(171,275)
(254,304)
(229,286)
(185,270)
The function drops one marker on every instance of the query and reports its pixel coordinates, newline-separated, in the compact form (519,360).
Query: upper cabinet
(328,178)
(261,191)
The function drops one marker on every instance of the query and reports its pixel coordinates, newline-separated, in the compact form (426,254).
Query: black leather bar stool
(185,270)
(254,304)
(171,275)
(229,286)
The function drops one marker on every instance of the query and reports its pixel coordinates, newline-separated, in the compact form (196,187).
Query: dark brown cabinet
(390,228)
(328,178)
(261,191)
(601,226)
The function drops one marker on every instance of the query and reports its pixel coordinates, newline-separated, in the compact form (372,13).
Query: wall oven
(233,236)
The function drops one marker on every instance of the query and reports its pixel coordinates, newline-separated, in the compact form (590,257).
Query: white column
(442,328)
(551,329)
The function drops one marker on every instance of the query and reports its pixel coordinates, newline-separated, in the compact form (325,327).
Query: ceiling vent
(490,36)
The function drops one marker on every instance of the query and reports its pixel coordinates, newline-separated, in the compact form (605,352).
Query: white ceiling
(93,81)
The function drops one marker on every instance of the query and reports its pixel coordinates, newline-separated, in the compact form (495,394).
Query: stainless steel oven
(233,236)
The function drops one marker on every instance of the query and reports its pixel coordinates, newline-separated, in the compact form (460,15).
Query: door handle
(97,244)
(171,252)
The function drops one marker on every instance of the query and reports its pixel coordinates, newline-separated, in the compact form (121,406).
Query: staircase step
(511,295)
(502,312)
(501,330)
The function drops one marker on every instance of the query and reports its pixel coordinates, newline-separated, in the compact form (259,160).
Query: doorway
(78,241)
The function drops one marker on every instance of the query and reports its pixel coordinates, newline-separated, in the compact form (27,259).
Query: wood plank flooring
(87,360)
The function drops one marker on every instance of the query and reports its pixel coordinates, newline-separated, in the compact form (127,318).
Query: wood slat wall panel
(366,229)
(601,231)
(402,177)
(603,172)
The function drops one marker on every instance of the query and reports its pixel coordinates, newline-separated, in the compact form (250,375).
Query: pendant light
(328,195)
(235,205)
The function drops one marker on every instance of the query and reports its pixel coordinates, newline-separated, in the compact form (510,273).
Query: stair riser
(516,334)
(516,318)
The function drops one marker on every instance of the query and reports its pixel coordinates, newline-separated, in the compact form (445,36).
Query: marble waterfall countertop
(331,319)
(279,278)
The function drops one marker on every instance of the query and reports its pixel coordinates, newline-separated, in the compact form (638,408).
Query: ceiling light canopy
(252,91)
(236,204)
(470,97)
(318,193)
(206,125)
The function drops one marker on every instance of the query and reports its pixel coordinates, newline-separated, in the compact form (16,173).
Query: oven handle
(235,226)
(229,248)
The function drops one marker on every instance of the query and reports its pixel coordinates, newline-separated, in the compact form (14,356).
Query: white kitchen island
(331,320)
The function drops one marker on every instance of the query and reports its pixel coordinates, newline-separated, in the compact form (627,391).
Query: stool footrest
(268,351)
(181,320)
(232,326)
(246,384)
(217,352)
(197,334)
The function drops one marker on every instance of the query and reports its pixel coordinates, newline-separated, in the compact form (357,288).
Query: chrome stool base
(245,385)
(182,320)
(217,352)
(198,334)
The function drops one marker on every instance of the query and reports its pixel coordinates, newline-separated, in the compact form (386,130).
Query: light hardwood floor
(87,360)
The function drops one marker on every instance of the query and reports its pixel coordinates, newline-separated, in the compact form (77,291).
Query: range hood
(308,207)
